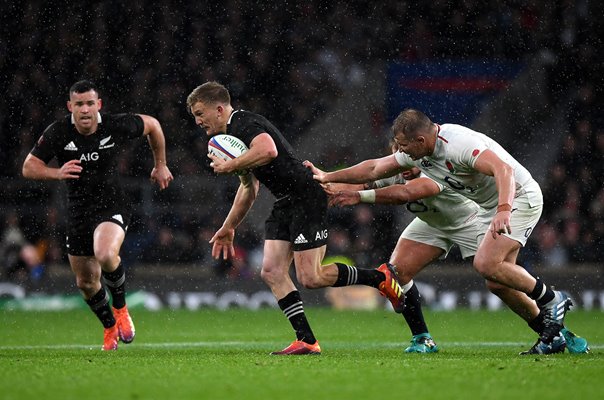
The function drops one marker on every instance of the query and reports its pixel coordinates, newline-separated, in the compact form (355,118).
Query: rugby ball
(226,147)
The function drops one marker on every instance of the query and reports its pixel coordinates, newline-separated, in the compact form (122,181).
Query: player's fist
(70,170)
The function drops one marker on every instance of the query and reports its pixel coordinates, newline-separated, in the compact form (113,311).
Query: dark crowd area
(289,62)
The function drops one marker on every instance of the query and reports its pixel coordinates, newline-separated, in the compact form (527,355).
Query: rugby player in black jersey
(296,229)
(87,146)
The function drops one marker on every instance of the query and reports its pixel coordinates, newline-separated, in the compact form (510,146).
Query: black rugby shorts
(80,233)
(301,221)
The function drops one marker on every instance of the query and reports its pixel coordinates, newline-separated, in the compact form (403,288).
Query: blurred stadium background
(331,75)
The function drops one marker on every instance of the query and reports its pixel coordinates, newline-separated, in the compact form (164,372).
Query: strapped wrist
(367,196)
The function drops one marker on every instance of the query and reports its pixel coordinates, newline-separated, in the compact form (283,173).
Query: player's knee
(484,265)
(86,285)
(106,256)
(270,274)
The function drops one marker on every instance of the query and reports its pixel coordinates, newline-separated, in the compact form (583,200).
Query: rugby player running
(87,145)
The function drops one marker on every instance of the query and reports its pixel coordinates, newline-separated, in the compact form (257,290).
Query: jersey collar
(231,116)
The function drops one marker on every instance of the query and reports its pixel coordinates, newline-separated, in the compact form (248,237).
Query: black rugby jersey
(285,174)
(98,186)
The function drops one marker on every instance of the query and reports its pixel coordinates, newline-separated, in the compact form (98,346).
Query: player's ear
(100,103)
(69,106)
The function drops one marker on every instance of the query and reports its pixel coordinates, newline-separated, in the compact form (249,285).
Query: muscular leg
(108,239)
(492,261)
(517,301)
(88,279)
(312,275)
(409,258)
(88,274)
(278,256)
(508,281)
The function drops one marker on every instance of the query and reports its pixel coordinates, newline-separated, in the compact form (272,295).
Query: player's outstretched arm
(222,242)
(365,171)
(414,190)
(35,168)
(157,141)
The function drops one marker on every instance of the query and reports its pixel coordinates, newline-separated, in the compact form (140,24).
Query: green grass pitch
(212,354)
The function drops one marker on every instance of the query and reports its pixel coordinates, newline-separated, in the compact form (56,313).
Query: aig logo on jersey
(94,156)
(321,235)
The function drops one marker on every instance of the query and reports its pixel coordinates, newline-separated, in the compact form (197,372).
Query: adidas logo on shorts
(300,239)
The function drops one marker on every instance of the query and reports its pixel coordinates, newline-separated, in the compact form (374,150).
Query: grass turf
(224,355)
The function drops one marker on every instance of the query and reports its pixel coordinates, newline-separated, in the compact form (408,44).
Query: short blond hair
(209,92)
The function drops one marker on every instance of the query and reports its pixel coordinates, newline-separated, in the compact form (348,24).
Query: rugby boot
(422,343)
(574,343)
(124,324)
(557,345)
(553,315)
(390,288)
(110,338)
(298,348)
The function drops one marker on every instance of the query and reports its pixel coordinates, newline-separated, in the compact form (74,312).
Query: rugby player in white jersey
(479,169)
(443,218)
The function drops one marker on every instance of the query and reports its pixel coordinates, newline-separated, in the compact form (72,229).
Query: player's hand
(70,170)
(222,243)
(345,198)
(317,174)
(219,165)
(501,223)
(162,176)
(332,188)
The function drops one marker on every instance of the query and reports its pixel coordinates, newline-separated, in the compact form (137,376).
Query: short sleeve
(441,187)
(473,147)
(403,159)
(131,125)
(44,147)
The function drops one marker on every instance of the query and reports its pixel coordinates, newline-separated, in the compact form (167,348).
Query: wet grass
(224,355)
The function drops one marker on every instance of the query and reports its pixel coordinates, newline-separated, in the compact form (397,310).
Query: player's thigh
(108,238)
(496,249)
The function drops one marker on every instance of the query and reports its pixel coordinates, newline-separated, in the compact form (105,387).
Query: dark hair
(209,92)
(411,123)
(82,87)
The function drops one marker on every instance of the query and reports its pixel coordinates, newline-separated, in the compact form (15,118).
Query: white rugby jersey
(452,164)
(447,211)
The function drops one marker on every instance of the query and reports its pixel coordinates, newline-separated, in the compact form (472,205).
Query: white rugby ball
(226,147)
